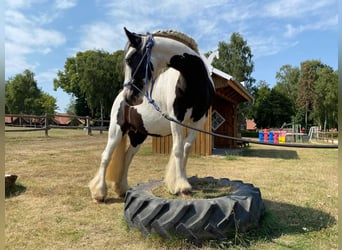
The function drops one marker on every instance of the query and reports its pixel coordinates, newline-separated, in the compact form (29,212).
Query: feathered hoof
(98,190)
(98,197)
(99,200)
(180,186)
(121,190)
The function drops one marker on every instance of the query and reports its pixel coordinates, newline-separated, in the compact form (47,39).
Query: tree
(24,97)
(94,78)
(272,108)
(306,91)
(47,103)
(235,58)
(261,94)
(325,112)
(287,84)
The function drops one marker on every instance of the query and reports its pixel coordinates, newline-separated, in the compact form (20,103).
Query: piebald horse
(164,74)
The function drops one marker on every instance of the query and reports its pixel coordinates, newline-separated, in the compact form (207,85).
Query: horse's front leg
(175,179)
(97,185)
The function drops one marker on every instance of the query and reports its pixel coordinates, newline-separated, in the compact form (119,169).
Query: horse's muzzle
(131,98)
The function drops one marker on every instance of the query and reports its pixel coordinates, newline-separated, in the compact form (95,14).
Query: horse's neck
(165,49)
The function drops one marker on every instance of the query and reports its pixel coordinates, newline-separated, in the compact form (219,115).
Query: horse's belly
(153,121)
(157,126)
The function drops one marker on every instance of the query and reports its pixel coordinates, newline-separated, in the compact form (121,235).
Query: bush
(247,133)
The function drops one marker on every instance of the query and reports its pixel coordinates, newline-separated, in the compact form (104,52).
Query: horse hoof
(186,194)
(99,201)
(122,195)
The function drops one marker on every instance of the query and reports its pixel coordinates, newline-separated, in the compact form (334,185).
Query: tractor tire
(194,219)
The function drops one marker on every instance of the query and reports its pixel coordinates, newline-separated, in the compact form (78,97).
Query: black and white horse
(164,74)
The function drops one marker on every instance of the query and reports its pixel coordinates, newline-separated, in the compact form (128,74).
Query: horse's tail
(115,168)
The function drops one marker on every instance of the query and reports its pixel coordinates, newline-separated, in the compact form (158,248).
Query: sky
(41,34)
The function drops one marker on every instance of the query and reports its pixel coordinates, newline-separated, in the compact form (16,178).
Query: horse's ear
(133,38)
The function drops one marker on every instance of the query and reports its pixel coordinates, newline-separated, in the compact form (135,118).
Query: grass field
(50,206)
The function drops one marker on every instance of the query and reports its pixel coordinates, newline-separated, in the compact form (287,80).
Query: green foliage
(325,111)
(272,108)
(306,91)
(24,97)
(305,95)
(94,78)
(287,82)
(250,134)
(235,58)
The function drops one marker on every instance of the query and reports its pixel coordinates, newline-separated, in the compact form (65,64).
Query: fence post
(46,125)
(88,125)
(101,128)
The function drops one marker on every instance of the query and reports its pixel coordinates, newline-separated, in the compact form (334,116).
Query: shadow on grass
(14,190)
(286,219)
(271,153)
(113,200)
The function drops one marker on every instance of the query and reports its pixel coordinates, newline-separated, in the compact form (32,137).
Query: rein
(147,54)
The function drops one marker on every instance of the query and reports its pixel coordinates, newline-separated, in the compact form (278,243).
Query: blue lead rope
(148,69)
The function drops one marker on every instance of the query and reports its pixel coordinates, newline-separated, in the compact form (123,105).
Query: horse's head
(138,67)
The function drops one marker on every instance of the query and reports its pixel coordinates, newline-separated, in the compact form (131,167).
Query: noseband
(148,68)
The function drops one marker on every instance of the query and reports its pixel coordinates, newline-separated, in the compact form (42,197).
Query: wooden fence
(29,123)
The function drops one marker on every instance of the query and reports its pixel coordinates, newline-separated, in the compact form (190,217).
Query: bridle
(148,69)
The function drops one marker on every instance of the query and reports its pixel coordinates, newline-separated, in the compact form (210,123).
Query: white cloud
(262,24)
(101,36)
(46,79)
(17,64)
(25,35)
(16,18)
(268,26)
(292,30)
(266,46)
(20,4)
(297,8)
(65,4)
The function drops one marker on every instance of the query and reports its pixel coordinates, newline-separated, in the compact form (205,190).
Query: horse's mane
(178,36)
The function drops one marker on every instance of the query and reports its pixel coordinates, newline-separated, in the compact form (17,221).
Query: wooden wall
(229,111)
(202,145)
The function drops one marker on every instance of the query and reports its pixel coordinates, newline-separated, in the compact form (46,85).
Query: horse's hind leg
(97,185)
(190,140)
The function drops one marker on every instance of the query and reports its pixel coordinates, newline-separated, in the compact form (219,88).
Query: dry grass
(201,189)
(52,208)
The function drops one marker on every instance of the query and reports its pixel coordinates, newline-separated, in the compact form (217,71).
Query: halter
(147,54)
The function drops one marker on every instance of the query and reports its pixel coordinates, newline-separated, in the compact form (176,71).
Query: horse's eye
(128,60)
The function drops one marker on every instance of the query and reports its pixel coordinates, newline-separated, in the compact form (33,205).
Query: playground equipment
(313,133)
(289,132)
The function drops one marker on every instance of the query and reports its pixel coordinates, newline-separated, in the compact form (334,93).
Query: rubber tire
(198,219)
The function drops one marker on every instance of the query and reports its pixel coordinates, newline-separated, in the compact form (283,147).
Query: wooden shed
(222,119)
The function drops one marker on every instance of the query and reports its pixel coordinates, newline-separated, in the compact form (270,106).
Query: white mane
(178,36)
